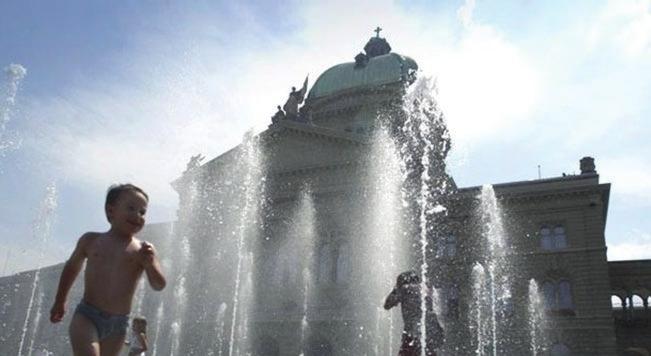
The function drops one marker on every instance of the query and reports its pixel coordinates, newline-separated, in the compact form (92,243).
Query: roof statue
(278,116)
(295,99)
(195,162)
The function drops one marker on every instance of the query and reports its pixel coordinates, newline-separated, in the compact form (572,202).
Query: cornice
(313,169)
(311,131)
(469,194)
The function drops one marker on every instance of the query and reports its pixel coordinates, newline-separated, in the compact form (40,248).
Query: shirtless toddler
(115,262)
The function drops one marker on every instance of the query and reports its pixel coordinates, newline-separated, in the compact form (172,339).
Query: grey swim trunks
(106,324)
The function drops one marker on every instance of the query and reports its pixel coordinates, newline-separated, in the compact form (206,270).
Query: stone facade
(630,283)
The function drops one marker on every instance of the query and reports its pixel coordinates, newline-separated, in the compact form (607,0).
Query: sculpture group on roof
(194,163)
(290,110)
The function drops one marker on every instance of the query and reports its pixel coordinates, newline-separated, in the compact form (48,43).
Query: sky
(117,91)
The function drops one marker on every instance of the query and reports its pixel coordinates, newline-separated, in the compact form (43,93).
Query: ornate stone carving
(195,162)
(295,99)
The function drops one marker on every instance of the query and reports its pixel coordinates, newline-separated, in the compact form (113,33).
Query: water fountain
(424,141)
(208,267)
(384,239)
(497,266)
(249,222)
(304,234)
(219,331)
(159,319)
(42,232)
(536,318)
(14,74)
(478,285)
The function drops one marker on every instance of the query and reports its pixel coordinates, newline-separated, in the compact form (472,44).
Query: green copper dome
(374,71)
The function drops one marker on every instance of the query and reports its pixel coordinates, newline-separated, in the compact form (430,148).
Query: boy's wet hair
(140,320)
(114,191)
(408,277)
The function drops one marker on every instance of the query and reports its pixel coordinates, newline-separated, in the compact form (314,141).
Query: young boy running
(115,262)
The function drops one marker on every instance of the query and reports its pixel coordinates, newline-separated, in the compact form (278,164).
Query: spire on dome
(377,46)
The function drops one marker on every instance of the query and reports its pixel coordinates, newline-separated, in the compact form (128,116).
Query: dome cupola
(377,66)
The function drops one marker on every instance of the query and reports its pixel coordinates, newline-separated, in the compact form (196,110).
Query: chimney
(587,165)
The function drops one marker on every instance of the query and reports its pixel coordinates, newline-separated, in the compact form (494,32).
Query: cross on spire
(377,32)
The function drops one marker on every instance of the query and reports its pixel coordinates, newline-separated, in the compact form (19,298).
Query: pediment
(288,147)
(292,146)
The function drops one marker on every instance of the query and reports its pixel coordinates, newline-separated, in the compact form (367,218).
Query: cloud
(193,89)
(624,25)
(636,247)
(465,12)
(630,176)
(486,85)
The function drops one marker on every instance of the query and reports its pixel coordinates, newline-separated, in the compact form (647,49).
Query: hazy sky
(128,91)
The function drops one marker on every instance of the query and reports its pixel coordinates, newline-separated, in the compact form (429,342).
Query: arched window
(452,302)
(286,266)
(450,246)
(559,237)
(553,238)
(616,302)
(446,246)
(342,258)
(558,296)
(560,350)
(546,242)
(549,294)
(565,296)
(325,264)
(638,302)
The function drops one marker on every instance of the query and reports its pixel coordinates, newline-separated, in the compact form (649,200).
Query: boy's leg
(112,345)
(83,336)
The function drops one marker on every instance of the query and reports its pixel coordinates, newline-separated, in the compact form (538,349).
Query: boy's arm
(144,345)
(68,275)
(152,266)
(392,299)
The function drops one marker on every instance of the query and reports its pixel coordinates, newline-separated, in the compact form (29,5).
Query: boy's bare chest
(103,257)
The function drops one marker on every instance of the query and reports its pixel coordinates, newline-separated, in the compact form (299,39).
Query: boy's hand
(57,312)
(147,253)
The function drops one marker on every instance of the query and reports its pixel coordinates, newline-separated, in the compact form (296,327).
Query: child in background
(407,293)
(138,343)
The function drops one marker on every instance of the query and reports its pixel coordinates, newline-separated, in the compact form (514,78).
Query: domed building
(326,146)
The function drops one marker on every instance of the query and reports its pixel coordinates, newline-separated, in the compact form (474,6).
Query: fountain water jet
(15,74)
(385,245)
(479,283)
(159,319)
(219,329)
(302,234)
(253,186)
(36,321)
(536,318)
(42,232)
(424,144)
(498,264)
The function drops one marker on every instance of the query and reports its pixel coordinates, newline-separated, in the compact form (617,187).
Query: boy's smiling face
(128,213)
